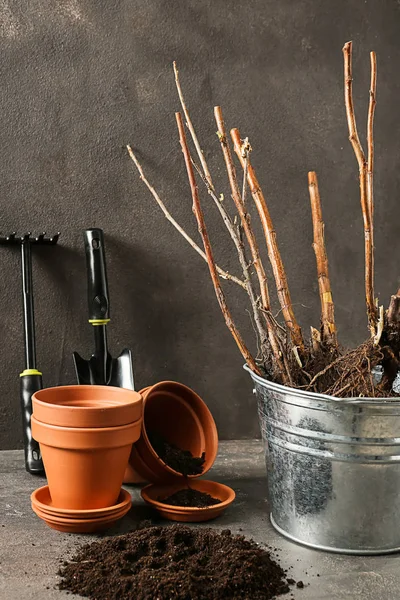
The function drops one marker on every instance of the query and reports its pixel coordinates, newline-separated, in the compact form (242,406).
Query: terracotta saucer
(152,494)
(41,499)
(80,525)
(79,521)
(63,519)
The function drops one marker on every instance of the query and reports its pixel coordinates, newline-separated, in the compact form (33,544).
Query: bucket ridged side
(333,468)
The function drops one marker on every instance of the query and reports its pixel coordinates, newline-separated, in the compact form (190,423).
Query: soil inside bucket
(174,562)
(190,498)
(180,460)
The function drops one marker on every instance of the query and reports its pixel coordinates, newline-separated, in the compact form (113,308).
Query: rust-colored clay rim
(87,406)
(41,499)
(85,438)
(153,492)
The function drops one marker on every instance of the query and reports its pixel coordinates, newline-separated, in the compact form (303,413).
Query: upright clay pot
(87,406)
(180,416)
(85,466)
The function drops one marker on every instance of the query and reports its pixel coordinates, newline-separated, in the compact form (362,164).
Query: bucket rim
(320,397)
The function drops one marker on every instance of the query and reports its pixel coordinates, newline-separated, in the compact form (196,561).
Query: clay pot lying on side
(181,417)
(85,466)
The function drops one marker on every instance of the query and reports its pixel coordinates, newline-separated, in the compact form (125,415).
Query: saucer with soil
(189,499)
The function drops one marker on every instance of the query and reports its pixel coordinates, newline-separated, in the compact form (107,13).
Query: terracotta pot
(131,476)
(85,466)
(179,415)
(87,406)
(153,494)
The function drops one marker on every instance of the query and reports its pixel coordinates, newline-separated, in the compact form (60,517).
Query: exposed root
(349,375)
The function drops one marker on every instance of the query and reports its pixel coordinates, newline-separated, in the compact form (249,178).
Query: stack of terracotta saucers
(78,521)
(85,435)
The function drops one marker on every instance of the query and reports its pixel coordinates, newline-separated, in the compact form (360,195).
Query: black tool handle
(28,309)
(33,460)
(98,302)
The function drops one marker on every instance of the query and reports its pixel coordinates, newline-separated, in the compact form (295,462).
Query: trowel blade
(122,371)
(119,371)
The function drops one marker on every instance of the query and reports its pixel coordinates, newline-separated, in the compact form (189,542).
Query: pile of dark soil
(189,497)
(180,460)
(177,562)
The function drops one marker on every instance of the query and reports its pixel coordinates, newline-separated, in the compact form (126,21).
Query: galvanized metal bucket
(333,468)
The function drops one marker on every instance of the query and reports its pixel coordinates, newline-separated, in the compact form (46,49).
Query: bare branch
(328,327)
(272,246)
(189,124)
(370,135)
(207,179)
(249,233)
(370,165)
(350,113)
(246,149)
(167,214)
(364,196)
(207,247)
(244,216)
(261,330)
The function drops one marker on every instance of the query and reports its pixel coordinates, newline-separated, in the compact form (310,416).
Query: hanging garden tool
(31,377)
(101,368)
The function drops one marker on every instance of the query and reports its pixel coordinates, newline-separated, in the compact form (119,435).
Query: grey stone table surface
(30,552)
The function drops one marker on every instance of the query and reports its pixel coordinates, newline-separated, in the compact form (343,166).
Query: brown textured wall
(81,78)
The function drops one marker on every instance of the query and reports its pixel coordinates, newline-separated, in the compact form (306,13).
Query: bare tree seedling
(319,364)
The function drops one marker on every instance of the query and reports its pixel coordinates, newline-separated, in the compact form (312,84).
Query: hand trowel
(101,368)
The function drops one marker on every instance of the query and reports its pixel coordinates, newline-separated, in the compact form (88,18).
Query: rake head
(41,239)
